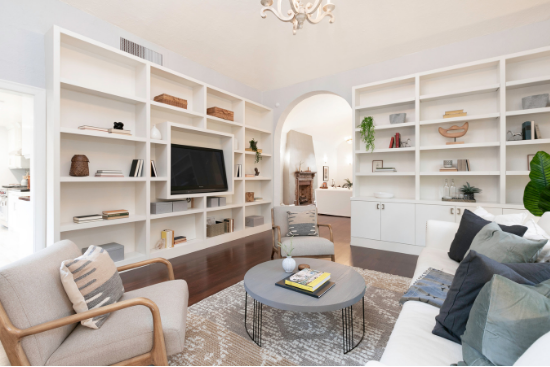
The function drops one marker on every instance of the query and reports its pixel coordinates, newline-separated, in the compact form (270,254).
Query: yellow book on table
(312,286)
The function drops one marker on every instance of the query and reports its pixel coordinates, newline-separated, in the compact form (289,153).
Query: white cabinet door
(425,213)
(397,222)
(460,211)
(365,219)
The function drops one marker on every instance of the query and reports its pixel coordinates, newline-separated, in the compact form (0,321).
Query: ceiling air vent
(140,51)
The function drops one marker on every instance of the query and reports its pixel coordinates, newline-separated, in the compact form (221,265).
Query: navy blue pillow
(472,274)
(470,225)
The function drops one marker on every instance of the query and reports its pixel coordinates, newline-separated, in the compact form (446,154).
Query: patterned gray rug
(216,334)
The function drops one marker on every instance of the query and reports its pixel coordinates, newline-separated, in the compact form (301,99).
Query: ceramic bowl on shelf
(383,195)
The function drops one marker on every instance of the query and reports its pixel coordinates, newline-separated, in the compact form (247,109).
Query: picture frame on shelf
(325,173)
(377,164)
(529,159)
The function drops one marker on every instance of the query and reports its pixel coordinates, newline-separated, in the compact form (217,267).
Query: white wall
(492,45)
(7,176)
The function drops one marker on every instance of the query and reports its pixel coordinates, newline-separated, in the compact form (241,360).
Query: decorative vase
(469,196)
(79,166)
(289,264)
(155,133)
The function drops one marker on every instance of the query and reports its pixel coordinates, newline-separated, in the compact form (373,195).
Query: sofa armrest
(148,262)
(440,234)
(329,228)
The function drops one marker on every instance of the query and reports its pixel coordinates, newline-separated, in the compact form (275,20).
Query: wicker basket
(213,230)
(171,100)
(79,166)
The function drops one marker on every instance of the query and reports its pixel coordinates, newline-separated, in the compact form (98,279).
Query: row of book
(395,141)
(461,166)
(106,130)
(135,170)
(527,129)
(105,215)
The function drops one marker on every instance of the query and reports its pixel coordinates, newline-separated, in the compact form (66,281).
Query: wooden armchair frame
(276,235)
(11,337)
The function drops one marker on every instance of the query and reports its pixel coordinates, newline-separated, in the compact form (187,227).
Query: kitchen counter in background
(334,201)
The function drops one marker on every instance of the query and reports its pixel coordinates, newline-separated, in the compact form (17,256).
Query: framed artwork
(325,173)
(529,159)
(377,164)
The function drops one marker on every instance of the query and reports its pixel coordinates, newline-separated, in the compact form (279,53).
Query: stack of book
(179,239)
(385,169)
(455,113)
(395,141)
(448,169)
(87,127)
(314,283)
(120,131)
(115,214)
(249,175)
(137,167)
(87,218)
(108,173)
(463,165)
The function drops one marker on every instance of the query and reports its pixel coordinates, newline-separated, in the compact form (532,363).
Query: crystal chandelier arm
(320,17)
(277,12)
(293,6)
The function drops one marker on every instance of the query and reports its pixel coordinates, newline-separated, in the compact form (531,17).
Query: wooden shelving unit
(93,84)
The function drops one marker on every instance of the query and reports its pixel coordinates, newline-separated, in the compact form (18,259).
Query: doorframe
(38,159)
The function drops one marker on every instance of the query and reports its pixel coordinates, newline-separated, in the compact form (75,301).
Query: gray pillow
(506,247)
(302,223)
(505,320)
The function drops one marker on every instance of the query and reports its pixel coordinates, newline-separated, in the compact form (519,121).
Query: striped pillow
(302,224)
(91,281)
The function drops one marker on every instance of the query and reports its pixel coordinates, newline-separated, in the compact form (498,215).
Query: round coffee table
(259,283)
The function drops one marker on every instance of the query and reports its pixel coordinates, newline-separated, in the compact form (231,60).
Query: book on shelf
(468,168)
(153,169)
(135,170)
(88,127)
(528,130)
(111,171)
(392,142)
(87,218)
(448,169)
(249,175)
(308,279)
(115,214)
(179,239)
(455,113)
(121,132)
(537,132)
(397,140)
(109,175)
(385,169)
(168,236)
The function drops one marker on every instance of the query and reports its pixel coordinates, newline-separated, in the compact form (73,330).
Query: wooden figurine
(454,132)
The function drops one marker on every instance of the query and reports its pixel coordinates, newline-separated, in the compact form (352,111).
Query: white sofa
(412,342)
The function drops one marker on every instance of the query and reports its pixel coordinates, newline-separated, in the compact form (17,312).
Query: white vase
(155,133)
(289,264)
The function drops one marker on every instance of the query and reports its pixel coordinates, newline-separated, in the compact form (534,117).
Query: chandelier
(299,13)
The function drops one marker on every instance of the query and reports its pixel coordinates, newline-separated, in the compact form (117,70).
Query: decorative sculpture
(118,125)
(454,132)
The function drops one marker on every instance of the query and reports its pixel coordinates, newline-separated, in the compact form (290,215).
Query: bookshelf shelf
(388,150)
(89,74)
(386,104)
(392,126)
(529,82)
(518,173)
(462,173)
(258,178)
(532,111)
(374,174)
(460,119)
(528,142)
(460,93)
(461,146)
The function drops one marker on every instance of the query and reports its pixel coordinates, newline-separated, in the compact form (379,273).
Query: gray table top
(259,283)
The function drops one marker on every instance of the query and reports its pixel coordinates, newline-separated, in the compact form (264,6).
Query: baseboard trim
(387,246)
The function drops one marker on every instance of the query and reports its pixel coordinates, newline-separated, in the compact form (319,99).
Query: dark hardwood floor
(211,270)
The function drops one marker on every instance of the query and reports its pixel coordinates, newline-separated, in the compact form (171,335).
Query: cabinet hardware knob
(452,211)
(378,206)
(458,211)
(383,207)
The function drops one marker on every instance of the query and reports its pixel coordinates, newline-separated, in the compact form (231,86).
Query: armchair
(38,325)
(304,246)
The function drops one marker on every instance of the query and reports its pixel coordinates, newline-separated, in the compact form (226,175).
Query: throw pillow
(470,225)
(535,232)
(472,274)
(481,212)
(91,281)
(504,247)
(505,320)
(302,224)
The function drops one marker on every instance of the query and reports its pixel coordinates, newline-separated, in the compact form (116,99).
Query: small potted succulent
(348,184)
(469,191)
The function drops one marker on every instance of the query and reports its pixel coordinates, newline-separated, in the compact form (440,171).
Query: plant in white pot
(289,264)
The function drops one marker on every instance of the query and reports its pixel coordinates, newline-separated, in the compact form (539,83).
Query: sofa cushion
(31,293)
(412,342)
(472,274)
(129,332)
(308,246)
(504,247)
(506,319)
(91,280)
(470,225)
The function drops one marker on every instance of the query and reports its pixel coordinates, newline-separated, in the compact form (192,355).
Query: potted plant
(289,264)
(254,147)
(366,129)
(348,184)
(536,197)
(469,191)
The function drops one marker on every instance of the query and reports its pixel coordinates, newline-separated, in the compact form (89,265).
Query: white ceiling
(229,36)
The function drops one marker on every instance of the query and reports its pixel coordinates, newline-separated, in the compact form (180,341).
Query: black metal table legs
(256,321)
(347,328)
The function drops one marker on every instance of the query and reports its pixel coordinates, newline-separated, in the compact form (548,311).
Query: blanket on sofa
(431,288)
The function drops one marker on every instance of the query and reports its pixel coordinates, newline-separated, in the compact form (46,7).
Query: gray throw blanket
(431,288)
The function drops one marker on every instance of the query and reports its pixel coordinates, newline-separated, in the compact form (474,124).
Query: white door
(425,213)
(460,211)
(365,219)
(397,223)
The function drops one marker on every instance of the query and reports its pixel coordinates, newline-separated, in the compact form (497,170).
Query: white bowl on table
(383,195)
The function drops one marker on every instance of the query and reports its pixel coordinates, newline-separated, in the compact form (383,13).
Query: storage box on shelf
(93,84)
(490,92)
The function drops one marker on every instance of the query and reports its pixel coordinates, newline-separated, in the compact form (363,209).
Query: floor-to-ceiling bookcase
(90,83)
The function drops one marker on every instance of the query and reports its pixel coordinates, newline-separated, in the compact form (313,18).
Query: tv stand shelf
(83,75)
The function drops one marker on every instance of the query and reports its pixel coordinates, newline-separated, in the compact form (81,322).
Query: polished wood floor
(211,270)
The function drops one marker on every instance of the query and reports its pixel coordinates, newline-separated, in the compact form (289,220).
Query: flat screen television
(197,170)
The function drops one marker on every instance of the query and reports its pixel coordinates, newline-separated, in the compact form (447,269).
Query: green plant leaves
(536,197)
(366,129)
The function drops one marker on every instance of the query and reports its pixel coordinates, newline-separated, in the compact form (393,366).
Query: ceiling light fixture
(298,12)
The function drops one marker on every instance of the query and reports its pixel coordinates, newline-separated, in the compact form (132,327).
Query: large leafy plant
(366,129)
(536,197)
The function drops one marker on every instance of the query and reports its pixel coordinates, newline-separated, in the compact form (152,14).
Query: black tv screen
(197,170)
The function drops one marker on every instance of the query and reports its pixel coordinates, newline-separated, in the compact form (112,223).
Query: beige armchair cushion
(308,246)
(31,293)
(280,215)
(129,332)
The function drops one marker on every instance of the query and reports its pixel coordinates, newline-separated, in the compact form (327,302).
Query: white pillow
(535,232)
(480,212)
(511,219)
(537,354)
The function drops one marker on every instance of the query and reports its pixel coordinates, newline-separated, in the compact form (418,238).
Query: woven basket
(79,166)
(171,100)
(213,230)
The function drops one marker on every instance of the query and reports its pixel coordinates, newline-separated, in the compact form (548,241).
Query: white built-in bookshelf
(93,84)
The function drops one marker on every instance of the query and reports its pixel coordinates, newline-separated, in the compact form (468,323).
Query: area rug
(216,335)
